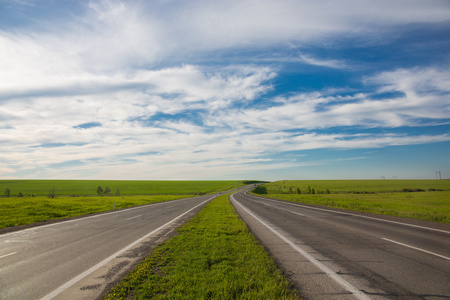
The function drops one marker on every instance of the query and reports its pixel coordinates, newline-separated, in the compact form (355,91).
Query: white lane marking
(415,248)
(292,212)
(16,241)
(350,214)
(90,217)
(345,284)
(74,280)
(8,254)
(133,217)
(297,214)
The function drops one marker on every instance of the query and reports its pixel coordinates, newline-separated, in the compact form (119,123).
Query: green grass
(358,186)
(374,196)
(132,187)
(27,210)
(31,208)
(214,256)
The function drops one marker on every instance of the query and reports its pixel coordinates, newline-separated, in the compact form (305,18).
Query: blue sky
(265,90)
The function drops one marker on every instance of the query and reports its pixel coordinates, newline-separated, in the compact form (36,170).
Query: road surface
(82,258)
(329,254)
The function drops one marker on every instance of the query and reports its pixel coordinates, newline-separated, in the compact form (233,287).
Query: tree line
(260,189)
(52,194)
(107,192)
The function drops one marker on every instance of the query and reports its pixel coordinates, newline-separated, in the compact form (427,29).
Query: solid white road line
(355,215)
(415,248)
(345,284)
(386,239)
(74,280)
(8,254)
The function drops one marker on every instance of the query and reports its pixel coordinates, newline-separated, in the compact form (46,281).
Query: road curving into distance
(331,254)
(82,258)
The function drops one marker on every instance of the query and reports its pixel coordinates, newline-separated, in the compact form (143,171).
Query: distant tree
(20,194)
(7,193)
(100,191)
(117,192)
(290,190)
(107,191)
(298,191)
(260,190)
(52,193)
(328,191)
(309,189)
(313,191)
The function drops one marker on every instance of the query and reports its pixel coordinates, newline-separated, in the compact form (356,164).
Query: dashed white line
(345,284)
(89,217)
(386,239)
(105,261)
(292,212)
(350,214)
(8,254)
(133,217)
(418,249)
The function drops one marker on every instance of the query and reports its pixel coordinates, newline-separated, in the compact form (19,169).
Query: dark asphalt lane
(380,258)
(36,262)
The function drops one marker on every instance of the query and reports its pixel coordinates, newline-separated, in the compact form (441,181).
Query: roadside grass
(426,206)
(357,186)
(125,187)
(374,196)
(214,256)
(27,210)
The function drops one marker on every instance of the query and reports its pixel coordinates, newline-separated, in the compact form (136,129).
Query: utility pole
(438,175)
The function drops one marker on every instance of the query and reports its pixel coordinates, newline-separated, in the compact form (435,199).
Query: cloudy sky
(232,89)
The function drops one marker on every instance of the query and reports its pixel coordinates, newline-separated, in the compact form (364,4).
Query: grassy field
(213,257)
(357,186)
(30,208)
(89,187)
(21,211)
(427,200)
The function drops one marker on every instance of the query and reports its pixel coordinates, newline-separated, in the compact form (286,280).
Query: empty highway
(80,258)
(331,254)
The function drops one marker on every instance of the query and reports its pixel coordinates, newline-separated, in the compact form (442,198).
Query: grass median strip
(214,256)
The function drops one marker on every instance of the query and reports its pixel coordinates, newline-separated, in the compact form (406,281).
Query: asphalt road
(81,258)
(335,255)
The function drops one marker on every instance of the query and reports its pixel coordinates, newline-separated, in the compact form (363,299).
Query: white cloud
(113,66)
(413,81)
(426,98)
(332,63)
(39,132)
(122,36)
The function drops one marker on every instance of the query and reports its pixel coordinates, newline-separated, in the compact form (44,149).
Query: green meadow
(38,203)
(16,211)
(427,200)
(214,256)
(357,186)
(131,187)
